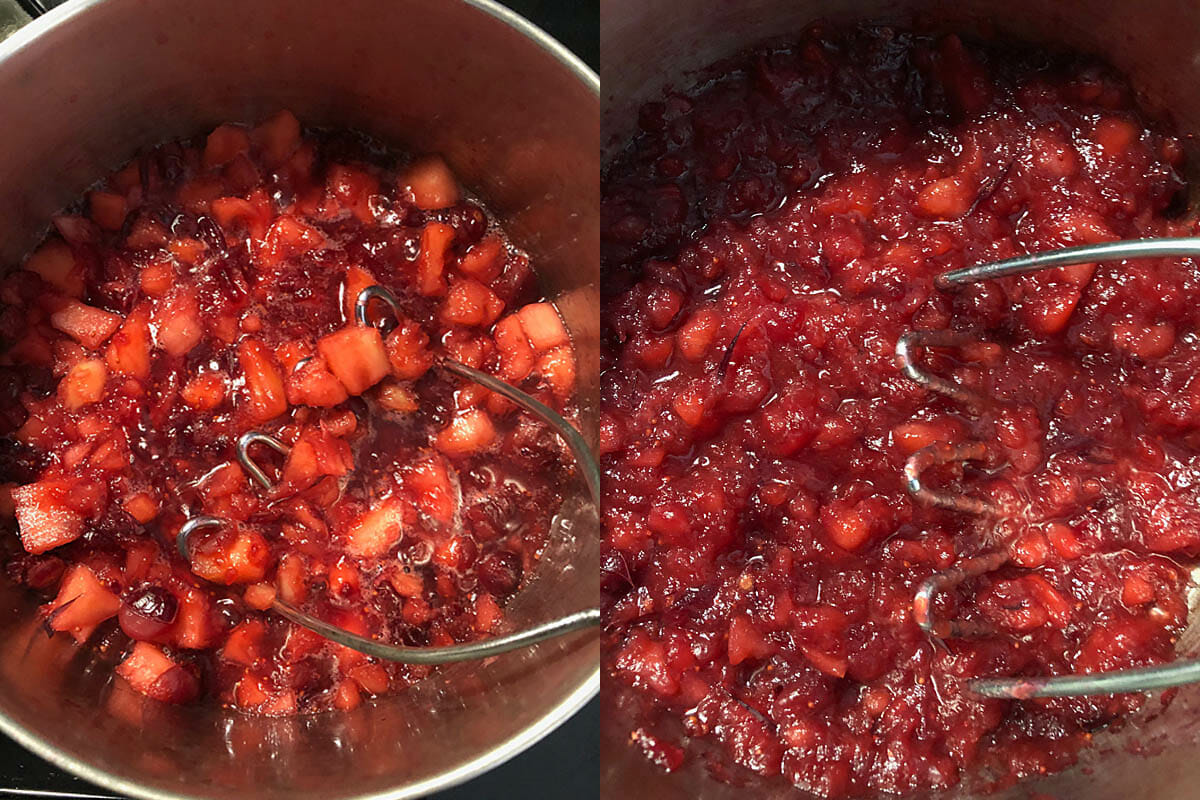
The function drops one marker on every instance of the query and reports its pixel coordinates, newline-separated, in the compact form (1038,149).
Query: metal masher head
(1120,681)
(484,648)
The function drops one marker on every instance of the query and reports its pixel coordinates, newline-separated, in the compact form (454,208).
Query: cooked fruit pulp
(207,290)
(767,239)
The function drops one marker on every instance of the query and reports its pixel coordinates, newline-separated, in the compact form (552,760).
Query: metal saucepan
(516,116)
(648,45)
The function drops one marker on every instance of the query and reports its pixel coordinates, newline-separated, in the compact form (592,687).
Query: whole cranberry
(463,552)
(500,572)
(176,685)
(148,612)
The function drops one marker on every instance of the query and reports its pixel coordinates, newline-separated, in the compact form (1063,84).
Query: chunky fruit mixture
(767,239)
(206,290)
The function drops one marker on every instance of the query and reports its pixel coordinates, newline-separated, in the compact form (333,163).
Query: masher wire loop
(362,303)
(249,464)
(946,580)
(588,466)
(483,648)
(906,356)
(944,453)
(183,539)
(1019,688)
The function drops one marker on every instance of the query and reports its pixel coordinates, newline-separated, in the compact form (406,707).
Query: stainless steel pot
(517,118)
(651,44)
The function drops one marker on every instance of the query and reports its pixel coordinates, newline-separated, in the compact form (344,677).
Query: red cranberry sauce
(769,236)
(207,290)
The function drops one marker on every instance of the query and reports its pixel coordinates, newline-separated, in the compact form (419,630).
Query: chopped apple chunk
(89,326)
(542,326)
(55,262)
(108,210)
(83,602)
(485,260)
(466,434)
(150,671)
(408,351)
(265,392)
(431,262)
(356,355)
(558,368)
(377,530)
(44,518)
(312,384)
(178,323)
(469,302)
(278,137)
(229,557)
(205,391)
(314,455)
(224,144)
(128,351)
(436,493)
(84,384)
(516,354)
(431,183)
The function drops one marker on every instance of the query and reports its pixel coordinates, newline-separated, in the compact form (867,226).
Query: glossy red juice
(768,236)
(207,290)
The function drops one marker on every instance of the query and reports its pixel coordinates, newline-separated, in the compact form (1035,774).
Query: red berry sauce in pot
(207,290)
(768,236)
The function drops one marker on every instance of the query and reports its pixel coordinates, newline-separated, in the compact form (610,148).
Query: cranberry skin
(45,572)
(614,574)
(307,677)
(228,613)
(500,572)
(212,235)
(467,552)
(177,685)
(148,613)
(469,221)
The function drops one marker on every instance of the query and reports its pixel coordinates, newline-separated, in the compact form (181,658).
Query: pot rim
(486,760)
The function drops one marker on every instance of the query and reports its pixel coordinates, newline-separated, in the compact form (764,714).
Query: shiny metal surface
(936,455)
(1163,676)
(908,348)
(537,631)
(516,117)
(1140,679)
(923,610)
(242,452)
(589,468)
(1066,256)
(471,651)
(1101,683)
(651,44)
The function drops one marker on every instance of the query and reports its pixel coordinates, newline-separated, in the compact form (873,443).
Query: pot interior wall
(82,91)
(649,46)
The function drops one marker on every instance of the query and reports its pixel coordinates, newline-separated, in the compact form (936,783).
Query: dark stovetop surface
(565,764)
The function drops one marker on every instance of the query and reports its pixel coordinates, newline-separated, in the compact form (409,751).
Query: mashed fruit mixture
(767,239)
(207,290)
